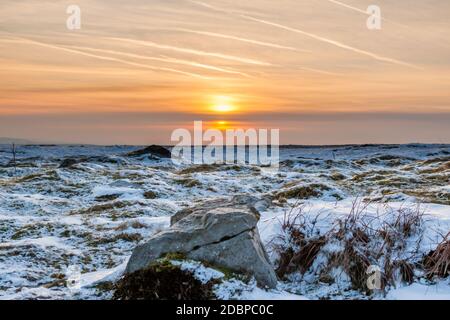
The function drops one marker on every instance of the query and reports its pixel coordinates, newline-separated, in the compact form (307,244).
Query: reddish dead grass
(392,243)
(437,262)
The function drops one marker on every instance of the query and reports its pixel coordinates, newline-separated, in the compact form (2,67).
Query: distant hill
(5,140)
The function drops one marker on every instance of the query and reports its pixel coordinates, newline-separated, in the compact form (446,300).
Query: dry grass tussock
(437,262)
(323,246)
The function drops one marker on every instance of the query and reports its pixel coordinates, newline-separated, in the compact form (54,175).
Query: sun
(223,108)
(222,104)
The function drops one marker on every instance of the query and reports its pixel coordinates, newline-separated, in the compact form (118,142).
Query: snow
(418,291)
(234,289)
(43,243)
(200,272)
(91,278)
(40,293)
(99,191)
(52,218)
(261,294)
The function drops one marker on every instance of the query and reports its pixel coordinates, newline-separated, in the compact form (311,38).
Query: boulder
(221,232)
(153,150)
(244,202)
(70,162)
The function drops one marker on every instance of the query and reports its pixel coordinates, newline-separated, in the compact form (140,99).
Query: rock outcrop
(220,232)
(70,162)
(153,150)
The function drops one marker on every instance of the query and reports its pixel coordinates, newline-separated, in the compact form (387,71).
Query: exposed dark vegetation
(107,197)
(199,168)
(188,182)
(98,208)
(302,192)
(150,195)
(128,237)
(162,281)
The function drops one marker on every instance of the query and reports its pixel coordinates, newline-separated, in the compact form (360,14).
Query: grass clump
(102,207)
(346,247)
(372,175)
(199,168)
(337,176)
(50,175)
(437,262)
(302,192)
(188,182)
(128,237)
(438,197)
(133,224)
(440,169)
(107,197)
(150,195)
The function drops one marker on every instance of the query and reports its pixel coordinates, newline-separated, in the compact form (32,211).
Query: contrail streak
(365,12)
(320,71)
(169,60)
(140,65)
(347,6)
(333,42)
(59,70)
(311,35)
(361,11)
(225,36)
(193,51)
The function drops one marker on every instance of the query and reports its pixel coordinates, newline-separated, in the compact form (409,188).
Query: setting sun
(222,104)
(223,108)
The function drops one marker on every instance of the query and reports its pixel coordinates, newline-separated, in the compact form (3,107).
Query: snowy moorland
(334,211)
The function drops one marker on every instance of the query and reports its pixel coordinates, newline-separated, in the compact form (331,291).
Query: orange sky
(139,69)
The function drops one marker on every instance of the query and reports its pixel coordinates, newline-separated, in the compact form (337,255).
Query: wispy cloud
(251,41)
(255,42)
(310,35)
(347,6)
(333,42)
(193,51)
(320,71)
(106,58)
(168,60)
(46,68)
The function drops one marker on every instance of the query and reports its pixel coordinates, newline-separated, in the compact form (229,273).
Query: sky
(136,70)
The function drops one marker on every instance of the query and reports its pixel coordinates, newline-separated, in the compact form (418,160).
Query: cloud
(130,63)
(296,128)
(347,6)
(310,35)
(168,60)
(194,52)
(344,5)
(255,42)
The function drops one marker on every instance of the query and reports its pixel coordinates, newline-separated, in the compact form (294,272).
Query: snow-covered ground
(92,215)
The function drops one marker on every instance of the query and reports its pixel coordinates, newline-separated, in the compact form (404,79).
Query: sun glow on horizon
(220,125)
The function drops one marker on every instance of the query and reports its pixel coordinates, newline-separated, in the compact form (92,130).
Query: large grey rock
(244,202)
(221,232)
